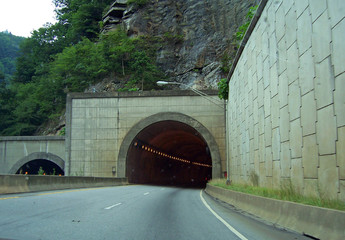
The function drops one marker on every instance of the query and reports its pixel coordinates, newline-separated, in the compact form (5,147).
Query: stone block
(326,130)
(338,47)
(285,159)
(328,177)
(294,100)
(267,102)
(297,179)
(311,188)
(306,72)
(268,162)
(340,147)
(259,66)
(275,111)
(339,100)
(317,7)
(291,26)
(324,84)
(296,138)
(266,73)
(256,136)
(283,89)
(272,50)
(308,113)
(304,30)
(276,144)
(321,37)
(276,174)
(281,56)
(341,194)
(262,148)
(284,124)
(280,23)
(260,93)
(336,9)
(301,6)
(292,63)
(261,123)
(268,131)
(310,156)
(274,80)
(286,5)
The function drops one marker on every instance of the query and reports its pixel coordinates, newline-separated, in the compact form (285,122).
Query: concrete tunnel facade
(161,137)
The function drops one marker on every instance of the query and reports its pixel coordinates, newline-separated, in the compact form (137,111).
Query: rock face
(196,33)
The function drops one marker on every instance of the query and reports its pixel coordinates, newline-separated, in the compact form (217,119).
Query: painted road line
(232,229)
(147,193)
(110,207)
(6,198)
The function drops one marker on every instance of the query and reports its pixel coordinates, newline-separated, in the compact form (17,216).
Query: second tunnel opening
(169,153)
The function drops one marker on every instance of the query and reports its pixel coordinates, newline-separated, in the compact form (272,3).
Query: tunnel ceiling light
(156,152)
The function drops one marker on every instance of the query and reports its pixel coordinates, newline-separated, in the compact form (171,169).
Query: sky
(21,17)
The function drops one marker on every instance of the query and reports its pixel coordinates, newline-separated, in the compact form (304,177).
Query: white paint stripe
(117,204)
(147,193)
(222,220)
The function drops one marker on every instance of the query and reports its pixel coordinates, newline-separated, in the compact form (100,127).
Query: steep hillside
(9,46)
(197,34)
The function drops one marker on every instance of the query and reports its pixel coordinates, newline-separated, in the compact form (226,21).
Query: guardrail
(35,183)
(320,223)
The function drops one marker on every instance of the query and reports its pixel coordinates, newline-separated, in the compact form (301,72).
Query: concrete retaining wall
(31,183)
(318,222)
(286,107)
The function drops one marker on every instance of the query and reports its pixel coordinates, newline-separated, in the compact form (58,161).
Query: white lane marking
(110,207)
(222,220)
(147,193)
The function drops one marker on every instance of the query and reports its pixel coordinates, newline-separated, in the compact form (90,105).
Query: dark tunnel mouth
(40,167)
(169,153)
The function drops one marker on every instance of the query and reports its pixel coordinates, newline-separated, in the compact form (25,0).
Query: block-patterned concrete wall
(287,99)
(16,151)
(99,124)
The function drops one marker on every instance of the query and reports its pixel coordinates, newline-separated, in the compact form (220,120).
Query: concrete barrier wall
(286,111)
(313,221)
(31,183)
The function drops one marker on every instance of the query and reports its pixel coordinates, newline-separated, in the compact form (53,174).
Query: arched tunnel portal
(171,151)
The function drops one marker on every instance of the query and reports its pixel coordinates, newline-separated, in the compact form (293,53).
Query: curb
(10,184)
(320,223)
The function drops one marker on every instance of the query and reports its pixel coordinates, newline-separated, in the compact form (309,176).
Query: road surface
(128,212)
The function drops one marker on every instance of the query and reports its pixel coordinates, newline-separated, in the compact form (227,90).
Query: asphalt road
(128,212)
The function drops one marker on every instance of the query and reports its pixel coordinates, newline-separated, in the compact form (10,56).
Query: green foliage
(226,63)
(223,89)
(9,46)
(69,56)
(41,171)
(239,35)
(62,133)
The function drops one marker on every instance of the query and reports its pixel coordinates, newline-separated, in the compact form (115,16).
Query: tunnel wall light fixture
(157,152)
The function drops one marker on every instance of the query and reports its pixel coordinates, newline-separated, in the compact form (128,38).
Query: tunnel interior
(169,153)
(40,166)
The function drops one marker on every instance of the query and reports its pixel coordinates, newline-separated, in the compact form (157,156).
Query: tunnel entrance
(169,153)
(40,167)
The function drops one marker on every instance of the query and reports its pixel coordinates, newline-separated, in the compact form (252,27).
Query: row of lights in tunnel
(157,152)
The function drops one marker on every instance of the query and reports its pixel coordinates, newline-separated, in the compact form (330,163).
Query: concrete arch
(38,155)
(169,116)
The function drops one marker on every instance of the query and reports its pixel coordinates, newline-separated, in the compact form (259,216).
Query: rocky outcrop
(196,34)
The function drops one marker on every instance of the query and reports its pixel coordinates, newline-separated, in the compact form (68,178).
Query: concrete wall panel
(301,116)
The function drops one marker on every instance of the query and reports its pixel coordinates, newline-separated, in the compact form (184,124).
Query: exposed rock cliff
(197,34)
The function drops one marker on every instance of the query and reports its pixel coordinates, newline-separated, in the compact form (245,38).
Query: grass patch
(286,193)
